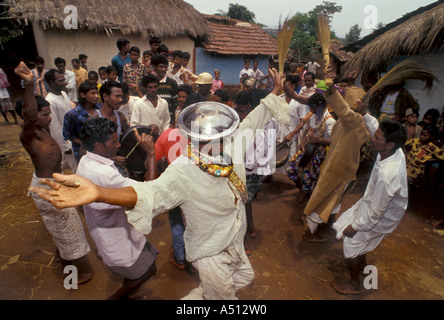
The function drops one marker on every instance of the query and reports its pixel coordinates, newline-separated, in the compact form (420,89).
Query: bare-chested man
(65,226)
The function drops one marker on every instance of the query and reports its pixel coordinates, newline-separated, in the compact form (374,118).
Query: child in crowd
(102,75)
(217,83)
(431,117)
(93,77)
(411,119)
(146,60)
(419,153)
(111,74)
(5,101)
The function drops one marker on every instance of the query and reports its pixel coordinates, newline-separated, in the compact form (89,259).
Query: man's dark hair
(96,130)
(222,94)
(158,59)
(102,69)
(177,53)
(135,49)
(39,60)
(93,73)
(121,43)
(59,60)
(41,103)
(83,56)
(310,73)
(434,113)
(107,88)
(50,75)
(162,48)
(125,88)
(148,52)
(150,78)
(185,88)
(75,60)
(432,130)
(186,55)
(85,88)
(110,69)
(317,99)
(394,132)
(155,39)
(243,98)
(193,98)
(293,78)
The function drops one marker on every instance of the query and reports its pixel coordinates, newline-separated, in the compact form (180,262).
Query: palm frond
(324,35)
(409,69)
(285,35)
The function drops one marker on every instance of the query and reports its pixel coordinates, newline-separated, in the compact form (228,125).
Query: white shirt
(118,242)
(249,72)
(127,109)
(389,103)
(59,105)
(70,77)
(213,209)
(312,67)
(259,156)
(145,114)
(385,200)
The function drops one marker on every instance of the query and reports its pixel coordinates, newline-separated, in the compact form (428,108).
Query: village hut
(100,23)
(229,43)
(419,34)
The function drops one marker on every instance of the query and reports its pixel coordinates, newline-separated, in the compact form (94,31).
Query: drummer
(111,94)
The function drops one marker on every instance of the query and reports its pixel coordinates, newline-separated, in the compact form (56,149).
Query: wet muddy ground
(410,262)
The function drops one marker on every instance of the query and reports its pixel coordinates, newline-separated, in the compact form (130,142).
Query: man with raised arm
(65,225)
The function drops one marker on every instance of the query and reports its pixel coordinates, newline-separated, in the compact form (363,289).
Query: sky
(365,13)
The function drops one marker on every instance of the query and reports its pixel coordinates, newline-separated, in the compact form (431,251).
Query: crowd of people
(75,121)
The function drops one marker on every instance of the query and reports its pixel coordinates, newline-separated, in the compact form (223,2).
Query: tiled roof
(235,37)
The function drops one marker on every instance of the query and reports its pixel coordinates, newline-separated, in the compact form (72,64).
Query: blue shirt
(119,62)
(72,125)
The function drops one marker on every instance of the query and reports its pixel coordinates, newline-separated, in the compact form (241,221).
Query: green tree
(303,43)
(304,39)
(238,12)
(353,35)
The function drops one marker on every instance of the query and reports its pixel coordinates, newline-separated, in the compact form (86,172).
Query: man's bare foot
(347,288)
(313,237)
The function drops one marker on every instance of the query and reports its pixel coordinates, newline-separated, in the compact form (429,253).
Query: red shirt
(171,145)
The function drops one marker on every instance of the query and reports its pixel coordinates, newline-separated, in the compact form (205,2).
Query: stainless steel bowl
(206,121)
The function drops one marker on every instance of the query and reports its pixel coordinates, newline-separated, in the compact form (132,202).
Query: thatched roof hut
(100,23)
(417,33)
(166,18)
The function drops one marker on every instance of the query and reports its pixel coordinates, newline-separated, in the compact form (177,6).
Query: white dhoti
(65,226)
(361,243)
(222,275)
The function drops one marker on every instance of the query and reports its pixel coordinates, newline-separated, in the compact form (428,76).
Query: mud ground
(410,262)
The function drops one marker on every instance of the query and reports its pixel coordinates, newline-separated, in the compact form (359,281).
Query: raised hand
(23,72)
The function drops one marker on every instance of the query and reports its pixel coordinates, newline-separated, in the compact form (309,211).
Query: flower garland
(220,171)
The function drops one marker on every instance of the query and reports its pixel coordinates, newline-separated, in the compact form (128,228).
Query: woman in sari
(305,166)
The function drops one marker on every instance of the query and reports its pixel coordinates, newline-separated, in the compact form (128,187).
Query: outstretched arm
(73,190)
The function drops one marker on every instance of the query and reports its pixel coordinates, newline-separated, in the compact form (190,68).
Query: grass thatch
(164,18)
(421,34)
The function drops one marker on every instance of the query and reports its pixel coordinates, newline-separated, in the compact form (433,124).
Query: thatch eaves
(421,34)
(164,18)
(235,37)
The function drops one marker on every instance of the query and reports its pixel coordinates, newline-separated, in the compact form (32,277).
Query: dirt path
(410,262)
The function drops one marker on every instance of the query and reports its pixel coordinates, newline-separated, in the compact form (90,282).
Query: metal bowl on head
(207,121)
